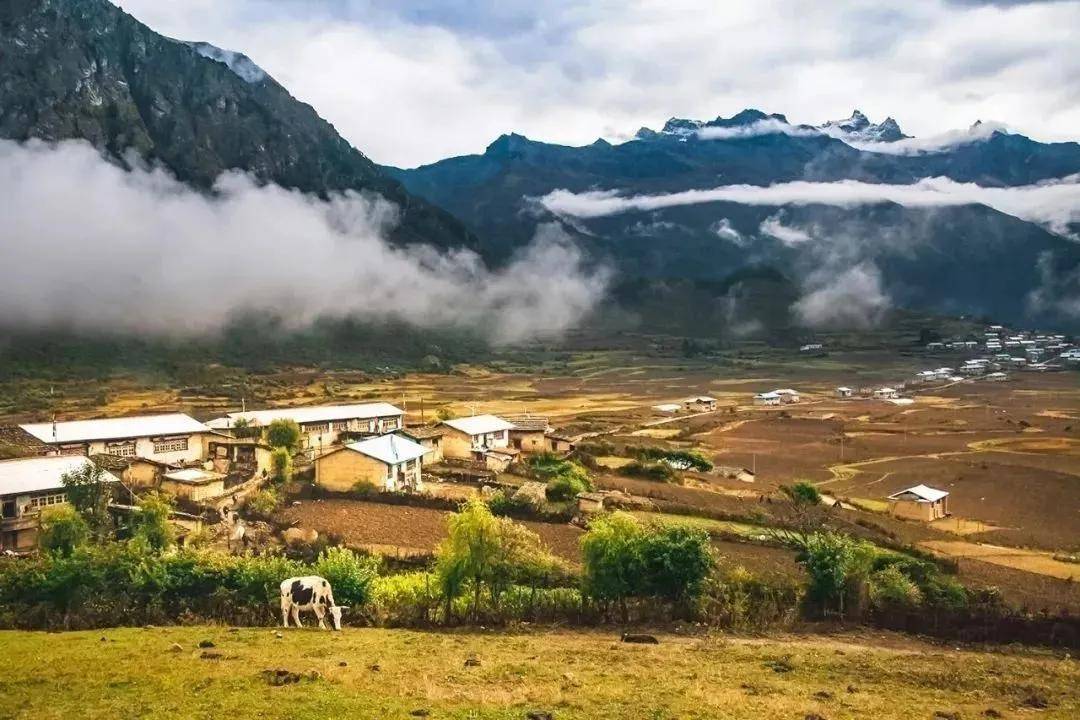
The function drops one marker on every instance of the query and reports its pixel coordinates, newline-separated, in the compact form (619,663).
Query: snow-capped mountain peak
(859,128)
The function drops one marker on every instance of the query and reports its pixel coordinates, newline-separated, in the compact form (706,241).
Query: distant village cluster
(219,463)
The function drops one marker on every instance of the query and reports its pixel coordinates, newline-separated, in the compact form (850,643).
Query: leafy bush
(676,459)
(660,472)
(62,530)
(265,502)
(350,575)
(624,559)
(838,565)
(151,525)
(283,433)
(281,465)
(892,588)
(735,598)
(802,493)
(90,491)
(565,478)
(407,599)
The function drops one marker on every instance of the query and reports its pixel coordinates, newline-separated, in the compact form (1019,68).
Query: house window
(166,445)
(122,449)
(390,423)
(43,501)
(341,425)
(318,429)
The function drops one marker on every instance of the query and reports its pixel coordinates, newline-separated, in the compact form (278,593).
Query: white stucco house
(173,439)
(321,426)
(28,486)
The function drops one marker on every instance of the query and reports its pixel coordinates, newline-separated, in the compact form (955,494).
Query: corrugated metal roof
(311,414)
(479,424)
(390,449)
(922,492)
(29,475)
(116,428)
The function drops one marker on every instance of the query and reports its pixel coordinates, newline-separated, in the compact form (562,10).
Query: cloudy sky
(413,81)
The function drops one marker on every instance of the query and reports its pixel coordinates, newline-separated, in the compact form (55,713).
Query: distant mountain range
(85,69)
(956,258)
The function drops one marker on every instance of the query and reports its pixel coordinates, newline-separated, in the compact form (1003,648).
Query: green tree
(676,561)
(839,567)
(611,554)
(150,525)
(283,433)
(62,530)
(90,490)
(281,465)
(482,552)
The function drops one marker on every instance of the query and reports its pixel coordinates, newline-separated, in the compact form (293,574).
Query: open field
(1009,453)
(369,673)
(412,530)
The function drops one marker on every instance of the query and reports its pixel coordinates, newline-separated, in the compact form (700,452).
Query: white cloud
(770,126)
(415,81)
(921,146)
(726,231)
(790,236)
(851,298)
(1054,203)
(85,244)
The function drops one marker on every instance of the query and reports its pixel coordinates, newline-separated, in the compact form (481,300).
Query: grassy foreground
(373,673)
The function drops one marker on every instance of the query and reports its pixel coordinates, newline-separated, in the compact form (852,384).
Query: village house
(886,393)
(919,503)
(174,439)
(194,484)
(703,403)
(529,433)
(243,458)
(470,438)
(430,437)
(560,444)
(997,377)
(28,486)
(389,462)
(321,426)
(844,392)
(787,395)
(767,398)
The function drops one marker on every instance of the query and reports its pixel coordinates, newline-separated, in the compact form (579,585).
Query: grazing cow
(309,593)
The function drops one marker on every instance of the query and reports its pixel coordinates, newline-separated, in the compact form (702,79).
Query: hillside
(960,258)
(85,69)
(369,673)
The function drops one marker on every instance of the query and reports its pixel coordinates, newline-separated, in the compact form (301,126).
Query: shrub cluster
(565,478)
(131,583)
(677,459)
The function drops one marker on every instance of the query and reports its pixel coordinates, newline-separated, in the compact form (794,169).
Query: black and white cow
(309,593)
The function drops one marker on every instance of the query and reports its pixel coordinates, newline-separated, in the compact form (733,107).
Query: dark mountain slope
(85,69)
(964,259)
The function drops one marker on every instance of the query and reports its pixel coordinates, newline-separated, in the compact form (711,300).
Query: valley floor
(377,673)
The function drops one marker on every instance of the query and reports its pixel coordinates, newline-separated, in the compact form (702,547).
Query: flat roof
(921,492)
(115,428)
(479,424)
(390,449)
(29,475)
(310,414)
(193,476)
